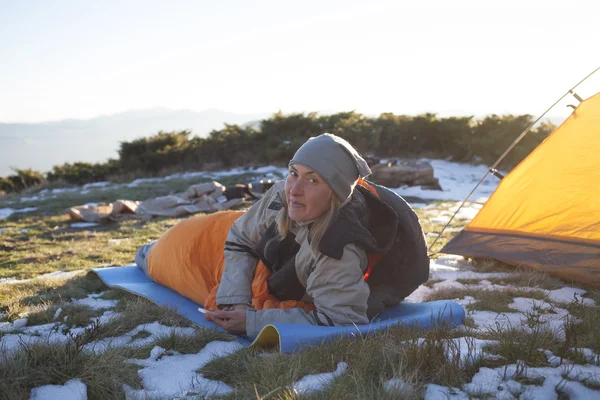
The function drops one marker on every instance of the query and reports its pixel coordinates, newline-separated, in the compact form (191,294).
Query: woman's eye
(313,181)
(293,173)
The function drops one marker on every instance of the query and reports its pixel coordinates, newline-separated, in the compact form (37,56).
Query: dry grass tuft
(34,365)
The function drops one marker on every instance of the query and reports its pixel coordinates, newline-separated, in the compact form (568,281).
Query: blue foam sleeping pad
(289,337)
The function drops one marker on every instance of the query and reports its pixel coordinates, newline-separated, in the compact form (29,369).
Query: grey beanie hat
(335,160)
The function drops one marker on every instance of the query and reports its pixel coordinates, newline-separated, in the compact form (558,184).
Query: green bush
(155,153)
(462,139)
(22,179)
(80,173)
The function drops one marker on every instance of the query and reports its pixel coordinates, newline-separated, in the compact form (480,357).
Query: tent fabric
(288,337)
(546,212)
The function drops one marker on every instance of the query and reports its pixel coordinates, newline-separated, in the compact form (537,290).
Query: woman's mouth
(295,204)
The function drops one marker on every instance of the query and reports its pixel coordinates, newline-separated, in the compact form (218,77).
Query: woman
(310,244)
(295,214)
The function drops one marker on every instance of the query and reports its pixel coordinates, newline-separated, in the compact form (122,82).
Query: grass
(190,344)
(33,365)
(71,314)
(42,241)
(489,300)
(582,330)
(516,345)
(41,364)
(51,245)
(371,361)
(23,297)
(520,277)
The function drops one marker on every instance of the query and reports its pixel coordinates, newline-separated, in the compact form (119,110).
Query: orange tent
(546,213)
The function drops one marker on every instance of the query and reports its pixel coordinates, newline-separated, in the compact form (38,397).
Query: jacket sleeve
(339,292)
(240,258)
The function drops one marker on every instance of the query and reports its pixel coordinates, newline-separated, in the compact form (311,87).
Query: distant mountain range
(42,145)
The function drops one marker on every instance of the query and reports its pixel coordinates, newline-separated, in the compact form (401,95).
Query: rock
(396,173)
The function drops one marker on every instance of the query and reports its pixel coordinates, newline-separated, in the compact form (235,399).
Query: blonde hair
(319,226)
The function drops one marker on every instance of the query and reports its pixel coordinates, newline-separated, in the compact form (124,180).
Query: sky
(81,59)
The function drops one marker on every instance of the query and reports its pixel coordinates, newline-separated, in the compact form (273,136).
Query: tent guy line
(493,169)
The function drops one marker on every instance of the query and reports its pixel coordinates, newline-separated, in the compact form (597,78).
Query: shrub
(277,139)
(80,173)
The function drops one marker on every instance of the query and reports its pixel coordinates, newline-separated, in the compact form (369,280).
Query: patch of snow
(397,385)
(116,242)
(457,180)
(449,285)
(437,392)
(65,190)
(418,205)
(46,333)
(468,349)
(95,185)
(7,212)
(60,274)
(451,260)
(137,182)
(466,301)
(51,275)
(420,295)
(156,352)
(57,314)
(155,329)
(16,324)
(270,170)
(554,321)
(589,354)
(440,219)
(489,381)
(93,302)
(53,333)
(105,318)
(26,209)
(71,390)
(499,383)
(83,224)
(176,375)
(454,275)
(485,320)
(189,175)
(26,199)
(316,382)
(467,212)
(545,314)
(524,304)
(569,295)
(553,360)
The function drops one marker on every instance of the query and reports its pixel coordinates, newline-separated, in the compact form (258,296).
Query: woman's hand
(233,321)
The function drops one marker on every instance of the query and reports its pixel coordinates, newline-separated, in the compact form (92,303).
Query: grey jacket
(336,287)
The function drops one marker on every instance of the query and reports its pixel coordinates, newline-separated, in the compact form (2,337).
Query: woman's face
(308,195)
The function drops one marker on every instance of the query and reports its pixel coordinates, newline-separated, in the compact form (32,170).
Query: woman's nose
(297,188)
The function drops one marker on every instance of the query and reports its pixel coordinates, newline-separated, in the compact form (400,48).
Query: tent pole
(512,145)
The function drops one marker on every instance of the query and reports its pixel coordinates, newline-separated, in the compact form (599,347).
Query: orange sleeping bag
(189,259)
